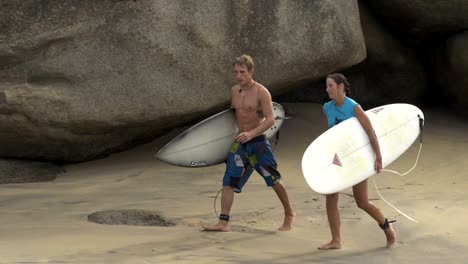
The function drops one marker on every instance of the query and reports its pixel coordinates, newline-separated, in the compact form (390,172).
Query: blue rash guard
(337,114)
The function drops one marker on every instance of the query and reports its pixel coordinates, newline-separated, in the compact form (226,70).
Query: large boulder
(82,79)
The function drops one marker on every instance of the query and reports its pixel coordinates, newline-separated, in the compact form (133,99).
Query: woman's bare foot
(331,245)
(391,236)
(288,222)
(221,226)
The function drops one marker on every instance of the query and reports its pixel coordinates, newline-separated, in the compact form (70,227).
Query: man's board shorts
(243,159)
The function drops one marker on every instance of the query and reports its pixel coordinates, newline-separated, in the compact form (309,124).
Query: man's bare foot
(221,226)
(331,245)
(288,222)
(391,236)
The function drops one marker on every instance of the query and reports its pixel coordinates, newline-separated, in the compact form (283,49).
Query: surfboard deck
(208,142)
(342,156)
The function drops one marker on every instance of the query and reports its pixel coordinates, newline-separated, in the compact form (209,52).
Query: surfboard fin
(421,126)
(282,117)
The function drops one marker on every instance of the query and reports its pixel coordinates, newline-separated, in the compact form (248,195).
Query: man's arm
(233,91)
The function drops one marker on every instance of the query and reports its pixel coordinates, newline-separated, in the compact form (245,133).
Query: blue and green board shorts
(243,159)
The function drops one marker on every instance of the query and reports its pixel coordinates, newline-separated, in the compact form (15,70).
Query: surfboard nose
(160,153)
(163,156)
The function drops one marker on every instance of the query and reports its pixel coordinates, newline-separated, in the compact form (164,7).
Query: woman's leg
(360,192)
(334,221)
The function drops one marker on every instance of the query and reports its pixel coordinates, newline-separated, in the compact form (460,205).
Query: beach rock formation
(435,31)
(415,54)
(82,79)
(391,72)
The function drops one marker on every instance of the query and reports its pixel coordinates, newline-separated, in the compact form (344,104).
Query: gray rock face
(82,79)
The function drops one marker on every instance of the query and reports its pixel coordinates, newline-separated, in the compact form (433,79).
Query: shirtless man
(251,151)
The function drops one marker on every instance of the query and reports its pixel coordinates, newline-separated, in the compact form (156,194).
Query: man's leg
(235,177)
(289,214)
(227,199)
(265,164)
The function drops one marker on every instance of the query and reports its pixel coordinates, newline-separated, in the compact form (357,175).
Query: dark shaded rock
(24,171)
(452,72)
(391,73)
(419,20)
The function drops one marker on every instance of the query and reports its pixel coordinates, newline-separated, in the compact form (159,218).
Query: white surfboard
(208,142)
(342,156)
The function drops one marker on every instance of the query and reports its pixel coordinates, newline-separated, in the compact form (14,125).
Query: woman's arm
(367,125)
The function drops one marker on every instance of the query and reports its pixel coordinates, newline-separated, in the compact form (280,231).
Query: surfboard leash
(276,139)
(391,205)
(277,135)
(421,126)
(214,203)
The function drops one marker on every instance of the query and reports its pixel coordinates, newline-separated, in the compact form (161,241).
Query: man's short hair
(244,60)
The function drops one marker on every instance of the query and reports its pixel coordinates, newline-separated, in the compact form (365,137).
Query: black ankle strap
(386,224)
(224,217)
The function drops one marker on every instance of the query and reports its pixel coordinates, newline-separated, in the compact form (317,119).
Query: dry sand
(47,222)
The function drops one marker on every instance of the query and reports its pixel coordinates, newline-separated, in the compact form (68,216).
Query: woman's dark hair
(341,79)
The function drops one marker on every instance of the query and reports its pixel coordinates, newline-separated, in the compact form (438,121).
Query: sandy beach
(47,222)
